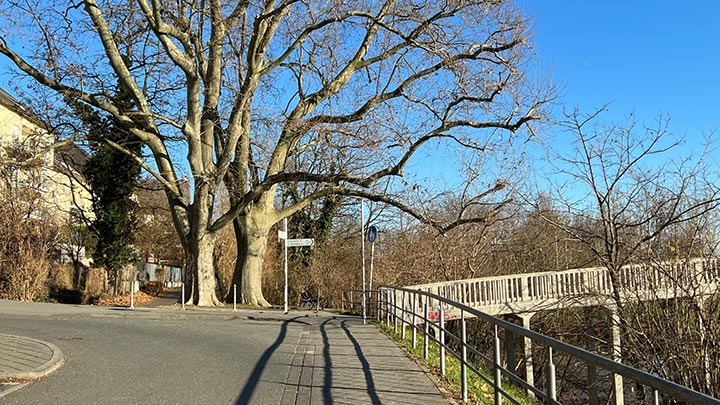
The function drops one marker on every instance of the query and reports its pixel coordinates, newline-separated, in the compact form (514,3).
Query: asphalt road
(116,356)
(136,360)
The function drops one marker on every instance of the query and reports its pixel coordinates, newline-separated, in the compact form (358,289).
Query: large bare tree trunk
(254,238)
(251,235)
(200,264)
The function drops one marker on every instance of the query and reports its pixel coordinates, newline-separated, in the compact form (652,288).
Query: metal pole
(234,297)
(463,365)
(377,298)
(427,329)
(497,381)
(395,309)
(362,249)
(441,341)
(132,294)
(286,263)
(402,320)
(551,387)
(183,295)
(414,319)
(372,260)
(317,307)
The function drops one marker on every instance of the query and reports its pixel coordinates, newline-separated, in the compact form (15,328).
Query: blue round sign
(372,234)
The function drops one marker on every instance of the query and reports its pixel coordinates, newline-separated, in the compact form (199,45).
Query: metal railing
(579,287)
(351,300)
(423,312)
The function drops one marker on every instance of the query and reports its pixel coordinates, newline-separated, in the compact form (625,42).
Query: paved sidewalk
(25,359)
(341,361)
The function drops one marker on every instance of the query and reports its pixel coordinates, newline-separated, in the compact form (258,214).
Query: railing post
(427,329)
(379,305)
(441,341)
(379,308)
(182,298)
(395,308)
(497,380)
(387,306)
(551,386)
(402,314)
(463,363)
(414,319)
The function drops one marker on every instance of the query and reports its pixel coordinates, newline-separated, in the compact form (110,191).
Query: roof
(69,155)
(14,105)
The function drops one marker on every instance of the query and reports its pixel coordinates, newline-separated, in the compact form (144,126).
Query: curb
(55,361)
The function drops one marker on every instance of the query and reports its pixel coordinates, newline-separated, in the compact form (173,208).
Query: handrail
(408,308)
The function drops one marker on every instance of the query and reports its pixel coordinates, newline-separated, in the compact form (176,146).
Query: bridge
(523,295)
(528,293)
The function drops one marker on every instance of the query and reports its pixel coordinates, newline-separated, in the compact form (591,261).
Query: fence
(426,314)
(351,300)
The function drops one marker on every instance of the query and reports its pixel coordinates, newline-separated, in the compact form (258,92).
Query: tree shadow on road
(257,372)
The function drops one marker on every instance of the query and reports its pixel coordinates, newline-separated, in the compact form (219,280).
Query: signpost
(282,235)
(362,250)
(372,234)
(300,242)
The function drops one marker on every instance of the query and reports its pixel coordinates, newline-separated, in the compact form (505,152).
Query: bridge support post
(510,350)
(527,352)
(616,354)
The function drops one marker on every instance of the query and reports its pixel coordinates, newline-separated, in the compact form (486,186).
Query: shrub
(153,288)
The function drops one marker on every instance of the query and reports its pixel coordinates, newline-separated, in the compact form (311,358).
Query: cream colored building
(36,171)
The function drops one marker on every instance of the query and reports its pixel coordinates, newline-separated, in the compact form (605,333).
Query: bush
(153,288)
(66,295)
(26,250)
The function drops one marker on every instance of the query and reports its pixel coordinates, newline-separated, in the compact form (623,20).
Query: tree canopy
(337,96)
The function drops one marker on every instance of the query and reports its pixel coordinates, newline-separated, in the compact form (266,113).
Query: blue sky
(647,57)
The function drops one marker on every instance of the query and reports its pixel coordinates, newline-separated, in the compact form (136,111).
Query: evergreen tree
(112,175)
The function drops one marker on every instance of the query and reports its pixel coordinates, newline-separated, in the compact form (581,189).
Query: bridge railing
(407,308)
(634,281)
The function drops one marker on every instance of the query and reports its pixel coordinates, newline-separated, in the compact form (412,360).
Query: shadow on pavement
(254,378)
(365,365)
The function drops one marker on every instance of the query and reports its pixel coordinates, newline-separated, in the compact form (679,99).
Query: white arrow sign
(299,242)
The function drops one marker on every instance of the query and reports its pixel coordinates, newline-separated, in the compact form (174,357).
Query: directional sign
(282,235)
(300,242)
(372,234)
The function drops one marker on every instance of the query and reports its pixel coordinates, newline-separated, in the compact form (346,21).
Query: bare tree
(29,240)
(629,189)
(636,201)
(340,95)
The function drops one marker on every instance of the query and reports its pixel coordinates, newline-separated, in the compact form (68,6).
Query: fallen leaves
(139,298)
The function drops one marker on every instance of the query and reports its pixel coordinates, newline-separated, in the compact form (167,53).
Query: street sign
(282,235)
(372,233)
(300,242)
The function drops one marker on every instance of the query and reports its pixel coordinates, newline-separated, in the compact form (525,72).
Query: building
(31,161)
(39,177)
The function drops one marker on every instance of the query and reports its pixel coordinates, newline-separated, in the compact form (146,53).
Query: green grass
(479,392)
